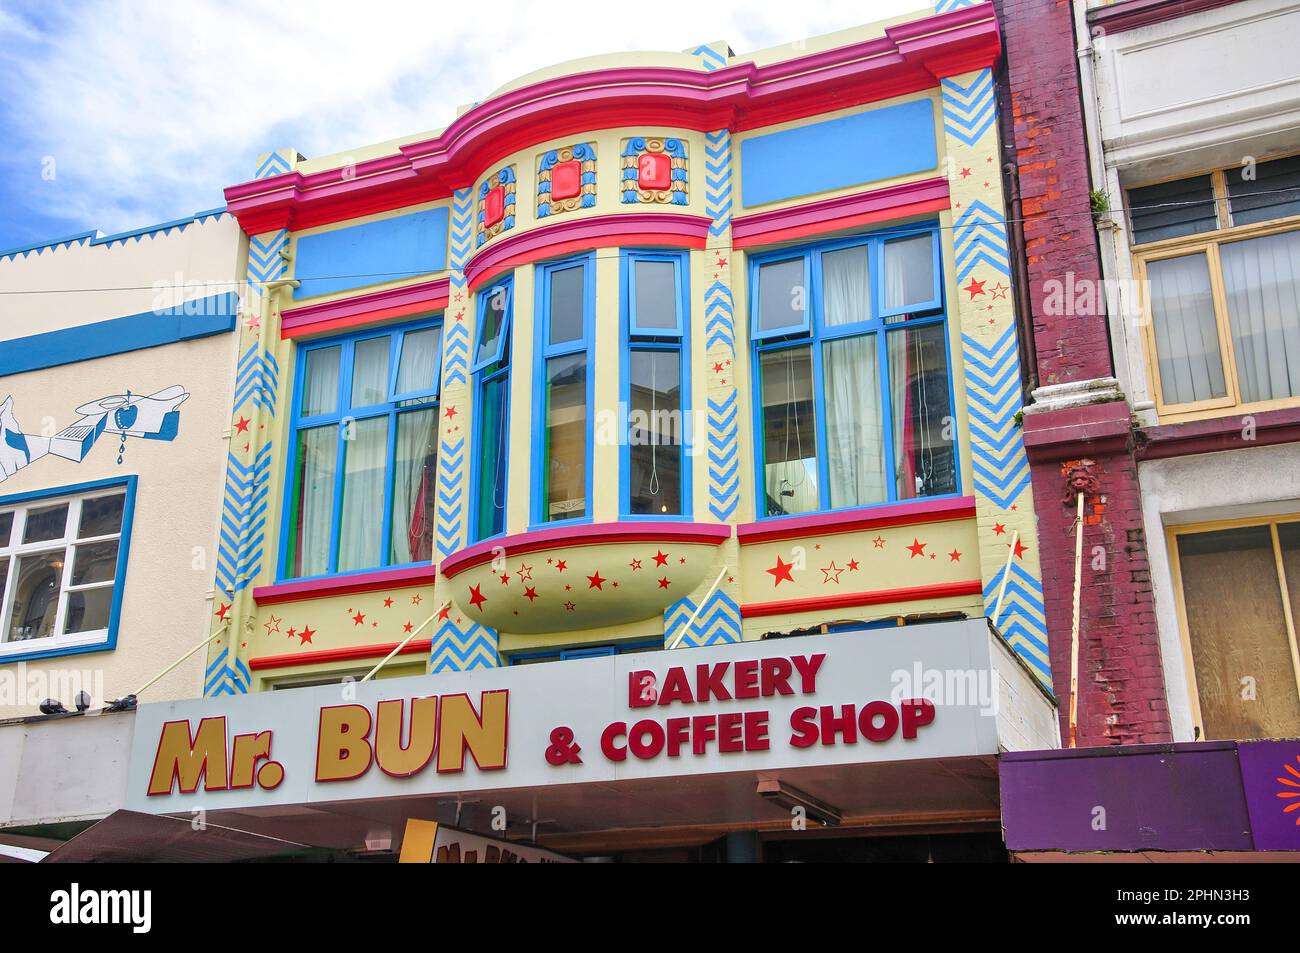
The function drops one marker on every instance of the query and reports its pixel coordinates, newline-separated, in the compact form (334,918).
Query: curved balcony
(583,576)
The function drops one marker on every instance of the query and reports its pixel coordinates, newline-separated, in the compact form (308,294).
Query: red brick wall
(1121,684)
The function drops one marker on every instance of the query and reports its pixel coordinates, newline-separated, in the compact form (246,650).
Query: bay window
(1220,257)
(563,390)
(654,318)
(364,471)
(852,374)
(491,410)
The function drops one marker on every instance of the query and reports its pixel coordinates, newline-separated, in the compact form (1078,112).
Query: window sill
(930,510)
(55,646)
(340,585)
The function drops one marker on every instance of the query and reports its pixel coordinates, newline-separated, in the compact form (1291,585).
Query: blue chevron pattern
(454,650)
(451,507)
(947,6)
(968,111)
(274,164)
(724,456)
(1001,469)
(710,58)
(980,237)
(1023,622)
(455,355)
(718,622)
(719,321)
(256,378)
(243,521)
(462,232)
(717,180)
(264,261)
(224,677)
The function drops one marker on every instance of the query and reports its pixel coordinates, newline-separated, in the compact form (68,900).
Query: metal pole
(402,644)
(1006,574)
(225,627)
(691,621)
(1074,631)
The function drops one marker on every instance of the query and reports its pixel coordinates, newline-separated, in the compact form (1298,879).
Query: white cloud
(151,108)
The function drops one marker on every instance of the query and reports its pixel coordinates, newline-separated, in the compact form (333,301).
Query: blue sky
(123,113)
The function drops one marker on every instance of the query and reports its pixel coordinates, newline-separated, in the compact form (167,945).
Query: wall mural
(151,417)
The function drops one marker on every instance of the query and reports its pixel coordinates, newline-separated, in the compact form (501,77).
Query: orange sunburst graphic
(1291,791)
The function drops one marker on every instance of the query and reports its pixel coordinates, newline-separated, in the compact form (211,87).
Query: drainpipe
(1027,347)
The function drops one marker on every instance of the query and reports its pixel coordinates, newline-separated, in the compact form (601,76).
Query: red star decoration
(722,262)
(1020,549)
(635,564)
(682,560)
(272,625)
(476,597)
(831,573)
(291,633)
(530,593)
(998,529)
(780,572)
(974,288)
(965,173)
(879,542)
(717,368)
(664,583)
(407,627)
(853,565)
(242,425)
(999,290)
(221,613)
(524,573)
(955,556)
(560,565)
(568,588)
(444,613)
(596,581)
(505,578)
(450,412)
(916,549)
(661,557)
(388,603)
(358,618)
(415,599)
(305,634)
(615,583)
(569,606)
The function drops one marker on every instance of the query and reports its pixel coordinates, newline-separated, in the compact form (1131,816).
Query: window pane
(909,271)
(491,516)
(361,521)
(6,527)
(320,390)
(415,480)
(1238,634)
(567,293)
(36,596)
(100,517)
(846,286)
(655,432)
(656,294)
(565,450)
(89,609)
(317,463)
(417,370)
(370,372)
(782,297)
(1262,280)
(46,522)
(855,455)
(491,320)
(1172,209)
(94,562)
(4,583)
(789,431)
(1187,342)
(1274,192)
(924,450)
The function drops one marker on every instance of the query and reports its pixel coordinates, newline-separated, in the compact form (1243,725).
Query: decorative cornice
(344,585)
(351,653)
(880,597)
(364,309)
(910,57)
(676,230)
(848,211)
(1266,428)
(857,520)
(1133,14)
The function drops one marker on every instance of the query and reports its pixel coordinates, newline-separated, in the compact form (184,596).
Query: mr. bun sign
(752,706)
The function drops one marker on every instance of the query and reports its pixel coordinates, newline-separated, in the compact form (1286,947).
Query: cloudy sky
(123,113)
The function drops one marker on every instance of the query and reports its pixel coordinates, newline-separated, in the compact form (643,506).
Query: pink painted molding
(375,306)
(344,585)
(585,534)
(856,520)
(629,228)
(910,57)
(895,201)
(1133,14)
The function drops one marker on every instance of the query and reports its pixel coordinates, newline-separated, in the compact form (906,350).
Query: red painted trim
(675,230)
(1077,431)
(813,218)
(344,585)
(1132,14)
(855,520)
(910,57)
(945,590)
(339,655)
(362,309)
(584,534)
(1220,433)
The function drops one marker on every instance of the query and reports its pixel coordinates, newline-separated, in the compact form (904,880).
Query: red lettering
(844,724)
(702,732)
(776,677)
(756,731)
(802,720)
(917,712)
(747,679)
(612,751)
(641,689)
(708,682)
(867,721)
(676,687)
(808,666)
(679,731)
(636,739)
(730,732)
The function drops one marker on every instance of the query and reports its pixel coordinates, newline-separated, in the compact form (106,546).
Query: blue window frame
(852,375)
(491,410)
(63,557)
(365,445)
(585,651)
(656,450)
(563,390)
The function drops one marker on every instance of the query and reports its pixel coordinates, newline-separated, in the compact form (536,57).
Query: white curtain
(1187,343)
(855,458)
(1262,280)
(370,372)
(321,387)
(412,481)
(360,528)
(909,271)
(846,286)
(317,450)
(417,370)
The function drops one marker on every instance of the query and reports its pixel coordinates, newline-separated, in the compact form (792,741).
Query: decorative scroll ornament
(496,204)
(655,171)
(566,180)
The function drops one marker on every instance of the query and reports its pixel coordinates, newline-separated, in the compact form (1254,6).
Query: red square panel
(653,171)
(566,180)
(494,206)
